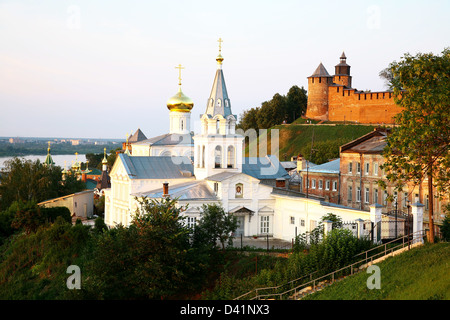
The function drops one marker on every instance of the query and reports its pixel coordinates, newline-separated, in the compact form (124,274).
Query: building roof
(138,167)
(263,168)
(320,72)
(168,139)
(289,165)
(372,142)
(222,176)
(197,190)
(137,136)
(327,167)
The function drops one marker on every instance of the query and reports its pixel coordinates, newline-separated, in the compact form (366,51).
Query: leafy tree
(418,147)
(275,111)
(28,217)
(337,221)
(296,101)
(248,120)
(25,180)
(215,226)
(152,258)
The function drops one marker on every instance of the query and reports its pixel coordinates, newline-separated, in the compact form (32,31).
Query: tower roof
(320,72)
(343,60)
(48,160)
(137,136)
(219,102)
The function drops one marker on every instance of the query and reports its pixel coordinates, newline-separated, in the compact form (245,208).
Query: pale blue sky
(102,69)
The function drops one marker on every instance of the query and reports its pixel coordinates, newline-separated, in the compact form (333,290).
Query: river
(58,159)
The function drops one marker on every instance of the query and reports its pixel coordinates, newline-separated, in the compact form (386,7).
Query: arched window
(182,125)
(218,157)
(230,157)
(217,126)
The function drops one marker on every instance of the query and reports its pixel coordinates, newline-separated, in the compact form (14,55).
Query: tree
(248,120)
(28,217)
(215,226)
(25,180)
(418,147)
(296,101)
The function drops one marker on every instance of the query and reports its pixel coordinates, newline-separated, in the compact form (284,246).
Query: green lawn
(422,273)
(293,137)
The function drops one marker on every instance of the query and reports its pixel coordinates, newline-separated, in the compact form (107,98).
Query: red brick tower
(342,73)
(318,82)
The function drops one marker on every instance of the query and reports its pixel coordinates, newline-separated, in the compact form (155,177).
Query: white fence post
(360,223)
(375,217)
(328,226)
(417,212)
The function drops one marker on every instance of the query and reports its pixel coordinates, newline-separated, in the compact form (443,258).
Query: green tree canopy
(26,180)
(215,226)
(418,147)
(275,111)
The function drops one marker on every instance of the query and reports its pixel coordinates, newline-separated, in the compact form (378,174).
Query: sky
(104,68)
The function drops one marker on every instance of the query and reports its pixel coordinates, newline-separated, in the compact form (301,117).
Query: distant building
(332,98)
(80,204)
(322,180)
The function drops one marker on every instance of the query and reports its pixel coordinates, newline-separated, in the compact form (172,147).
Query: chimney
(165,189)
(280,183)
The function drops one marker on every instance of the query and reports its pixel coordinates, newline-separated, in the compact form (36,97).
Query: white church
(210,167)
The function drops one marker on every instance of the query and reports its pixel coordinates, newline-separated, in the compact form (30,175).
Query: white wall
(309,210)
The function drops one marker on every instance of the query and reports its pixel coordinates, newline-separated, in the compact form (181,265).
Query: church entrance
(240,228)
(240,213)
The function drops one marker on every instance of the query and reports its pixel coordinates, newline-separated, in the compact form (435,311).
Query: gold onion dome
(180,102)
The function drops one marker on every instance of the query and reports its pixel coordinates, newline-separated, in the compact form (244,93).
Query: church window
(217,126)
(218,157)
(230,157)
(203,156)
(219,102)
(191,222)
(264,226)
(182,125)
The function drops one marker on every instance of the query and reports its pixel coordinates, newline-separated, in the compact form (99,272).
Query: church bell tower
(218,148)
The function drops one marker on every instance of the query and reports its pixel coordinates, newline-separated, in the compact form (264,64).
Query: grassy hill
(295,137)
(422,273)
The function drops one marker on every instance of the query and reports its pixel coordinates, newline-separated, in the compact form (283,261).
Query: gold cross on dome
(179,73)
(220,44)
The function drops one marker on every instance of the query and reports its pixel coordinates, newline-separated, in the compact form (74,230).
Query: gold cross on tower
(179,73)
(220,44)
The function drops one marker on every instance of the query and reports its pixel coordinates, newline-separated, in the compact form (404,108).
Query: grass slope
(422,273)
(293,137)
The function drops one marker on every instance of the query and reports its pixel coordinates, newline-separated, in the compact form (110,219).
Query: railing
(294,293)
